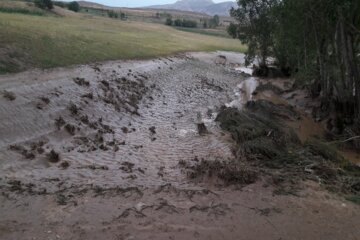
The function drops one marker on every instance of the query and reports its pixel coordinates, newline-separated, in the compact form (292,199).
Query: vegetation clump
(44,4)
(228,172)
(53,156)
(74,6)
(81,82)
(9,95)
(266,144)
(313,41)
(59,122)
(70,128)
(74,110)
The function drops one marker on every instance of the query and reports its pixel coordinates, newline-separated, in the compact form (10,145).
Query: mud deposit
(96,152)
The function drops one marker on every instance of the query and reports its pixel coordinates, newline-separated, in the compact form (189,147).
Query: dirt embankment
(112,151)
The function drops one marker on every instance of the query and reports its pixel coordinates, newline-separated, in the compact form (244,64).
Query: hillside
(28,41)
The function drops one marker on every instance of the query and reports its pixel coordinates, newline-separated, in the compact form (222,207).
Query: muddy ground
(95,152)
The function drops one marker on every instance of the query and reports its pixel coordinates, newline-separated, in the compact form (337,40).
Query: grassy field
(207,31)
(28,41)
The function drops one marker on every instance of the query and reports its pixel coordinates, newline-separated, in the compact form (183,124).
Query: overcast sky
(136,3)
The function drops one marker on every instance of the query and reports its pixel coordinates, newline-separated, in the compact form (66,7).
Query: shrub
(44,4)
(189,23)
(112,14)
(178,23)
(74,6)
(169,21)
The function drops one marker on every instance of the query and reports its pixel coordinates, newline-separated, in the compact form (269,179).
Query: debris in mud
(59,122)
(207,83)
(98,167)
(201,128)
(127,167)
(125,130)
(70,128)
(152,130)
(274,149)
(200,125)
(74,110)
(53,156)
(84,119)
(61,199)
(81,82)
(229,172)
(45,100)
(28,154)
(9,95)
(221,60)
(64,165)
(88,95)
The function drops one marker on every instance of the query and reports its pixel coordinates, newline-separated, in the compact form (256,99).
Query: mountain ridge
(202,6)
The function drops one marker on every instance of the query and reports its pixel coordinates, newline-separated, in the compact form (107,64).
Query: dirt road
(93,152)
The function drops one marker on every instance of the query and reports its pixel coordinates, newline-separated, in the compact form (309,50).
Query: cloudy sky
(136,3)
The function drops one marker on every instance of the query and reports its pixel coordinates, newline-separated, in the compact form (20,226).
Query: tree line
(49,4)
(317,41)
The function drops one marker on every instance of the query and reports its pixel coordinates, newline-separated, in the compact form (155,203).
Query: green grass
(60,41)
(209,32)
(20,10)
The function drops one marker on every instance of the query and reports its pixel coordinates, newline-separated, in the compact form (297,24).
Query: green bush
(21,11)
(169,21)
(185,23)
(74,6)
(44,4)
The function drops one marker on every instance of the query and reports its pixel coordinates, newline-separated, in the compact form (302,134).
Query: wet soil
(94,152)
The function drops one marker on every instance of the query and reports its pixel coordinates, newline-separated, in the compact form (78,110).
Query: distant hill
(91,4)
(202,6)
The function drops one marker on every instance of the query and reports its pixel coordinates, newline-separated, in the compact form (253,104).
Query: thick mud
(93,152)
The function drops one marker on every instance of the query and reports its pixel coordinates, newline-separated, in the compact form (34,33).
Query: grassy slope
(38,41)
(207,31)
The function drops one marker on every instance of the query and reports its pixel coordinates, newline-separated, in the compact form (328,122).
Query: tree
(178,23)
(214,21)
(44,4)
(74,6)
(232,30)
(112,14)
(123,16)
(255,24)
(169,21)
(318,41)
